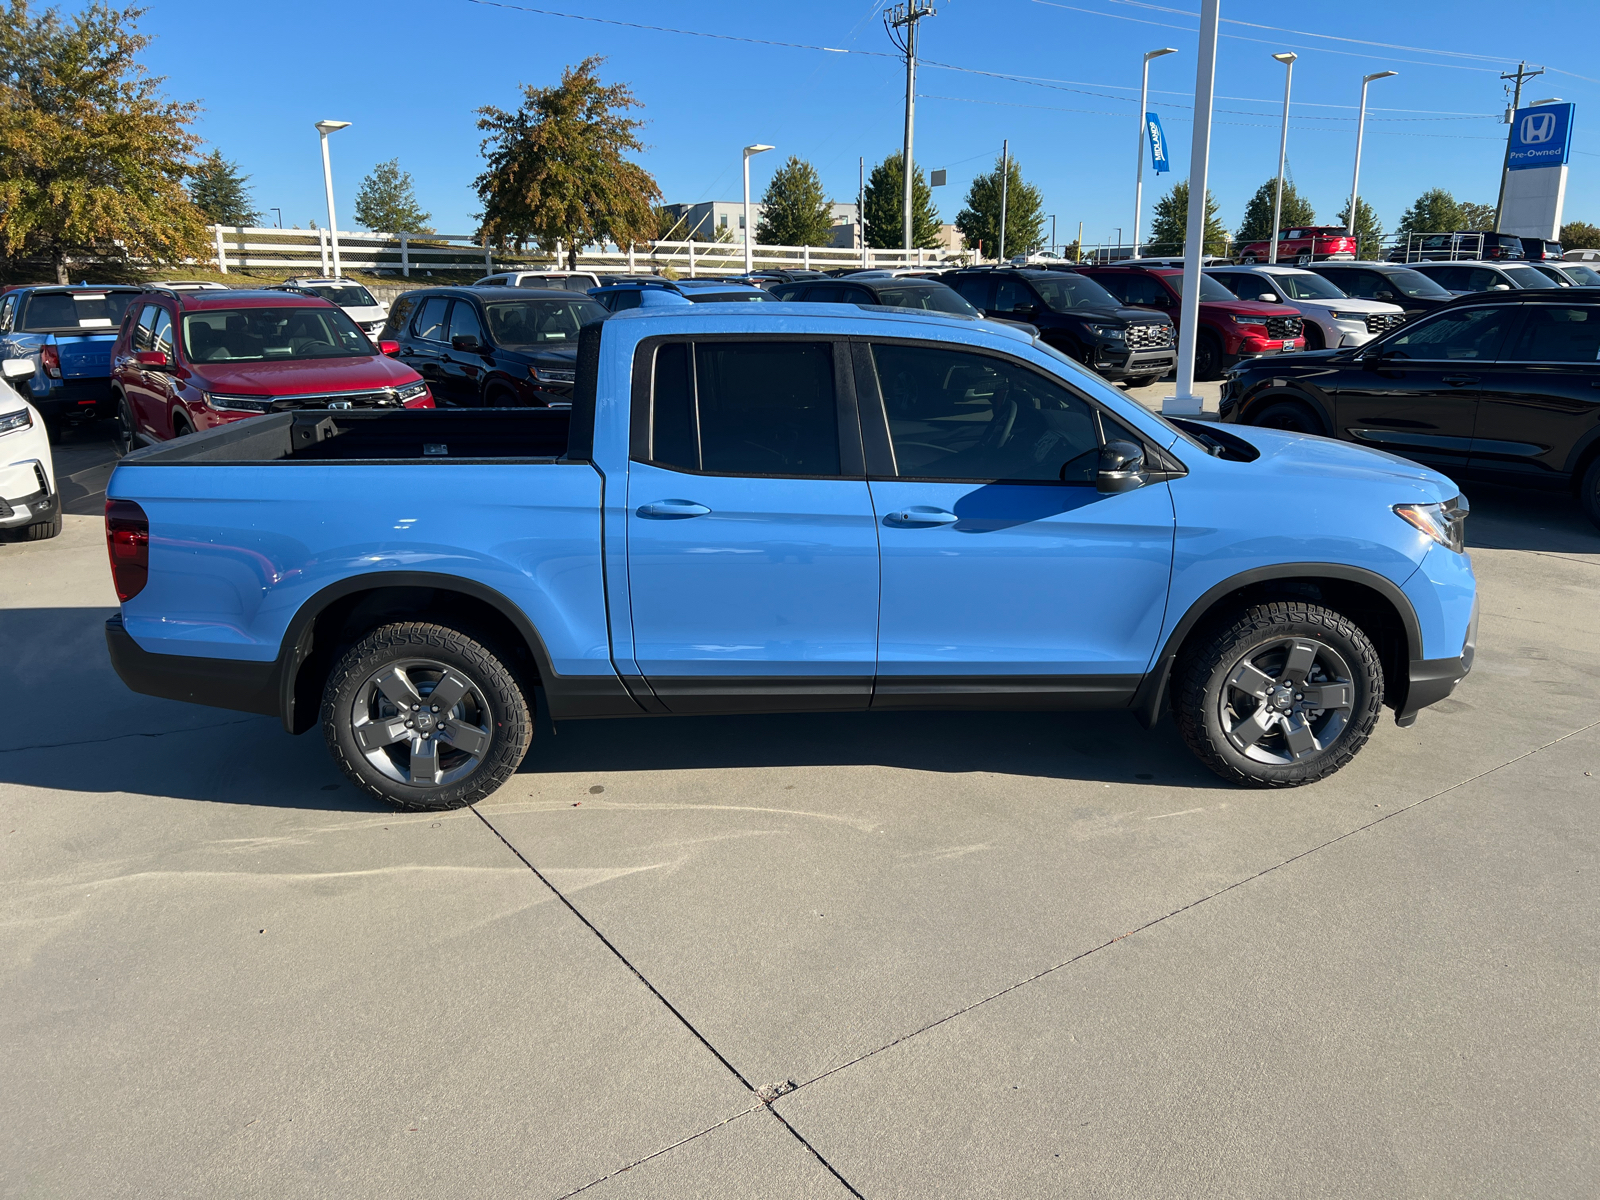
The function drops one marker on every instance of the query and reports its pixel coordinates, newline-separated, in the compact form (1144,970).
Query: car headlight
(411,391)
(1445,523)
(1346,316)
(1238,320)
(250,404)
(21,419)
(1111,333)
(553,374)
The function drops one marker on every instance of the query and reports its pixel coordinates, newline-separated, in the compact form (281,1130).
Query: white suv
(30,509)
(572,281)
(358,303)
(1332,319)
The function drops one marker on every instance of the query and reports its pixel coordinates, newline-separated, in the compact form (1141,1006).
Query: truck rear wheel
(425,716)
(1284,695)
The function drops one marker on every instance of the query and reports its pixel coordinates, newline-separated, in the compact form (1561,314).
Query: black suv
(1541,250)
(1498,386)
(1389,282)
(1078,317)
(1461,244)
(492,346)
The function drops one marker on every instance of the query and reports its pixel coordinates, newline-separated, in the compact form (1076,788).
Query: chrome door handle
(673,510)
(922,515)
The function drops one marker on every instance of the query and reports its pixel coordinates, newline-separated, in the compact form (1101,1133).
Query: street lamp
(1355,179)
(749,248)
(279,211)
(324,128)
(1144,102)
(1287,60)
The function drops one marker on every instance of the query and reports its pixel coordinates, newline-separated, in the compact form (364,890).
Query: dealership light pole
(1185,402)
(1287,60)
(749,231)
(325,128)
(1144,105)
(1355,180)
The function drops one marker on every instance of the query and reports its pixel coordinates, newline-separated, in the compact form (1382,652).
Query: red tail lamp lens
(128,544)
(50,359)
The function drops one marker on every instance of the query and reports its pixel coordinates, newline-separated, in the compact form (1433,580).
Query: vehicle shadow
(84,457)
(1509,518)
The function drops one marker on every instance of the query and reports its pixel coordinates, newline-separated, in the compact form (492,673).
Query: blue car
(667,293)
(787,508)
(67,333)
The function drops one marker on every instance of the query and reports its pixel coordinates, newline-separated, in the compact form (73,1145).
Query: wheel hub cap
(1287,699)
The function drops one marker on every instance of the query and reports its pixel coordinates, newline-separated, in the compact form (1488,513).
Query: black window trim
(851,461)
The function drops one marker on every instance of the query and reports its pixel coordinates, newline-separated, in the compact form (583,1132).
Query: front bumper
(29,510)
(1433,679)
(1117,363)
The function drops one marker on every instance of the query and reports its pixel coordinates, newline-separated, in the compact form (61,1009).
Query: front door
(1007,578)
(752,547)
(1417,393)
(461,371)
(422,347)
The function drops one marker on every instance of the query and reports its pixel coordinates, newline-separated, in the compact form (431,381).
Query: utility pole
(1005,179)
(1521,76)
(905,16)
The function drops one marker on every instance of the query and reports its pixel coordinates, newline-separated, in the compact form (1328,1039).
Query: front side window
(1467,335)
(142,331)
(954,414)
(464,321)
(933,298)
(1416,285)
(1526,277)
(161,334)
(745,408)
(1305,285)
(1557,333)
(8,310)
(430,320)
(270,335)
(527,324)
(1143,291)
(1012,295)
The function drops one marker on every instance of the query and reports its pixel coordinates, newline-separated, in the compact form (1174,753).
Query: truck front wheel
(1284,695)
(425,716)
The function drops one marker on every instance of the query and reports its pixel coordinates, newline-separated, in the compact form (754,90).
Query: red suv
(186,361)
(1314,243)
(1231,329)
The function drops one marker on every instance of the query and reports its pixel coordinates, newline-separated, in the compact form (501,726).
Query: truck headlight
(1110,333)
(553,374)
(1445,523)
(21,419)
(1347,316)
(411,391)
(250,404)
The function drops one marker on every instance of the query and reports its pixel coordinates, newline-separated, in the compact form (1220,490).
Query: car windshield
(521,324)
(934,299)
(1303,285)
(1064,292)
(48,311)
(345,295)
(1416,285)
(1210,289)
(1585,276)
(272,335)
(713,297)
(1526,277)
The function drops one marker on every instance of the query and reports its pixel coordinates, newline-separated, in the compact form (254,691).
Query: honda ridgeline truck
(787,508)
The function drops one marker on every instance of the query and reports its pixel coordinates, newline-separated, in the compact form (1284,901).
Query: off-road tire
(1201,676)
(505,711)
(1589,492)
(1293,416)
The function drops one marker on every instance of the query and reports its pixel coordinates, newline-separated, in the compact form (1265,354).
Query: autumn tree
(220,192)
(795,211)
(1295,211)
(93,157)
(1169,225)
(979,221)
(884,218)
(556,167)
(387,201)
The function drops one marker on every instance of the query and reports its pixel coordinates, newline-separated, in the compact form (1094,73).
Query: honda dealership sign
(1536,171)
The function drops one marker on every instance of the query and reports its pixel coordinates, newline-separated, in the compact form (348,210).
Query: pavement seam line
(1185,908)
(656,992)
(658,1153)
(119,737)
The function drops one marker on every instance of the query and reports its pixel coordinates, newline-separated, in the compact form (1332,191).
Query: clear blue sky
(409,76)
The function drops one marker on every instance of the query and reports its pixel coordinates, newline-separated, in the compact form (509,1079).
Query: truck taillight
(128,543)
(50,359)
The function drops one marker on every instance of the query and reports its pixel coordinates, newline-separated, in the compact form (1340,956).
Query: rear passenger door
(752,546)
(1003,582)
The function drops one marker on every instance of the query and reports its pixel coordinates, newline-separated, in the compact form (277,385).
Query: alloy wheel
(421,722)
(1286,700)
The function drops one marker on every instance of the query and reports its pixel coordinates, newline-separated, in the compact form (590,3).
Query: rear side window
(1233,282)
(1465,335)
(745,408)
(8,309)
(399,315)
(1557,333)
(1364,285)
(974,289)
(1135,289)
(430,321)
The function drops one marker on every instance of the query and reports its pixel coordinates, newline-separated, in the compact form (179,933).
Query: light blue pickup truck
(786,508)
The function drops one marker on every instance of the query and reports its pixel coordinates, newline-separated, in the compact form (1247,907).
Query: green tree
(1476,216)
(795,211)
(387,201)
(556,170)
(885,215)
(1170,223)
(220,192)
(1257,224)
(1369,230)
(1580,235)
(1435,211)
(979,221)
(93,157)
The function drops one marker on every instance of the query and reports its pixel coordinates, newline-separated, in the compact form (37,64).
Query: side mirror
(1500,287)
(466,342)
(389,348)
(1121,468)
(1385,295)
(1267,298)
(156,360)
(17,368)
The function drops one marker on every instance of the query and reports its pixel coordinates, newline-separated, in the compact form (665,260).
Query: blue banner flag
(1158,143)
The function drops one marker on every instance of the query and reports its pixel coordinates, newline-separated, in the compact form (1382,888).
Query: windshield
(345,295)
(1210,289)
(727,297)
(1586,276)
(1303,285)
(525,324)
(1064,292)
(1418,285)
(1526,277)
(934,299)
(272,335)
(74,310)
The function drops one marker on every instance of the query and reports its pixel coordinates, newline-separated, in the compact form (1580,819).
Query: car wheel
(1589,492)
(1284,695)
(501,397)
(425,716)
(1139,381)
(41,531)
(1294,416)
(181,426)
(1303,261)
(1314,337)
(123,436)
(1208,357)
(1248,260)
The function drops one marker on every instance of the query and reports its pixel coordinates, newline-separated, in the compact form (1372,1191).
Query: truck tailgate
(85,356)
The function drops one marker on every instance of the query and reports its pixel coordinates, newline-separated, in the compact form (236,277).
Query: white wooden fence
(305,250)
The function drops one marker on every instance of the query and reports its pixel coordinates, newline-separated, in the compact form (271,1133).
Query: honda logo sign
(1540,137)
(1538,127)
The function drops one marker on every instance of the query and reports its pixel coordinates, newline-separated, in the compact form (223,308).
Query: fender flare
(1147,700)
